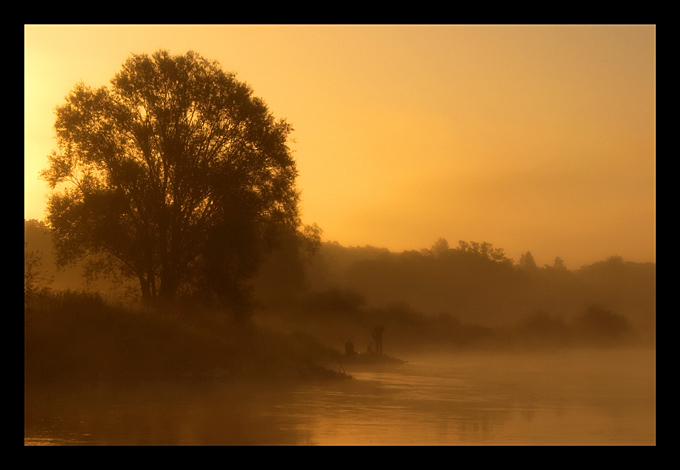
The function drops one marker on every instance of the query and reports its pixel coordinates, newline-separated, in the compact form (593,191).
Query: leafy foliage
(176,171)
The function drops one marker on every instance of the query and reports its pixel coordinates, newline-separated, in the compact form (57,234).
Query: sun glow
(536,138)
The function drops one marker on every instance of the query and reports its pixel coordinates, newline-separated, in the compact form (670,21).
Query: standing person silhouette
(377,339)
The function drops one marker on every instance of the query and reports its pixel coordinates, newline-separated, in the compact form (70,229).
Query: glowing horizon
(532,138)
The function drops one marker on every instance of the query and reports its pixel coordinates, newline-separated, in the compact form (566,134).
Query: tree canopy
(176,173)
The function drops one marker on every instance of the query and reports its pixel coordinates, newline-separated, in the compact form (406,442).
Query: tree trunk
(169,283)
(146,290)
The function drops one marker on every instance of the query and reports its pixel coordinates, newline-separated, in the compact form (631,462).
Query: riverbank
(76,337)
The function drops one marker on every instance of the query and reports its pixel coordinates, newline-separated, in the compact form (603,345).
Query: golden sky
(532,138)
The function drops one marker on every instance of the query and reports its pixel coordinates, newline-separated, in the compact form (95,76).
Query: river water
(562,398)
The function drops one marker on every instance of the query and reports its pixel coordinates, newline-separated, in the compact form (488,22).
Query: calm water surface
(571,398)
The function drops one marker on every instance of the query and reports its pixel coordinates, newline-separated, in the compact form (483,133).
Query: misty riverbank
(96,374)
(78,337)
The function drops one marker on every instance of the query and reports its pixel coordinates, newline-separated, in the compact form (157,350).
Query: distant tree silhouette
(484,250)
(175,172)
(38,237)
(37,248)
(558,264)
(600,324)
(36,278)
(527,263)
(440,248)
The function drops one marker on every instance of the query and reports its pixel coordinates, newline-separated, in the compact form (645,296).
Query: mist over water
(593,397)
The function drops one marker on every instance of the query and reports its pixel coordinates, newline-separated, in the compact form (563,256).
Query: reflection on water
(603,398)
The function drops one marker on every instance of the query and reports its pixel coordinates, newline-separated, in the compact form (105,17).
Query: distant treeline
(462,295)
(483,286)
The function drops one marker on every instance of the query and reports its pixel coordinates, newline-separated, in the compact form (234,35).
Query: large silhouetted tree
(176,170)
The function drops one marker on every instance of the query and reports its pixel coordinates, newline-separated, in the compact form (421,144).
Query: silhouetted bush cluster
(601,325)
(338,315)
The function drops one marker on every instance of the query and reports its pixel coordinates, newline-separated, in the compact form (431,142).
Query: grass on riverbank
(72,336)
